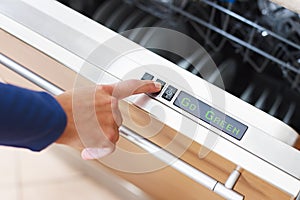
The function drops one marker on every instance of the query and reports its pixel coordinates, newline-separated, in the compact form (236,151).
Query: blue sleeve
(29,119)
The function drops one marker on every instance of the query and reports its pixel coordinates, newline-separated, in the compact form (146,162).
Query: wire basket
(271,38)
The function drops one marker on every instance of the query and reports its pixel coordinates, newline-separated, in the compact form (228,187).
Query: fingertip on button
(158,85)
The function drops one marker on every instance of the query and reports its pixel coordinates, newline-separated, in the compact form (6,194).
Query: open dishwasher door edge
(88,35)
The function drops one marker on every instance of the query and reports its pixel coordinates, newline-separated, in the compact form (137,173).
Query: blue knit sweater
(29,119)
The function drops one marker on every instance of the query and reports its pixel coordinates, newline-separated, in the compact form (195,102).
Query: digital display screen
(210,115)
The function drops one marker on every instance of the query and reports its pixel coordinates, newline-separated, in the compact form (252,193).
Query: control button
(147,76)
(169,93)
(162,86)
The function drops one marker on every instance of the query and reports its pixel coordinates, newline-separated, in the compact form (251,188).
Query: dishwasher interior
(254,44)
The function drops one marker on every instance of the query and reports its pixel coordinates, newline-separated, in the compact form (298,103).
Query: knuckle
(114,103)
(104,88)
(108,119)
(112,120)
(107,101)
(112,135)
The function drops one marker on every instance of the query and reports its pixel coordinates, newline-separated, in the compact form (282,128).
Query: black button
(169,93)
(162,86)
(147,76)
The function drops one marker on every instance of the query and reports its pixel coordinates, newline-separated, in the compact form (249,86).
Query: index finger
(130,87)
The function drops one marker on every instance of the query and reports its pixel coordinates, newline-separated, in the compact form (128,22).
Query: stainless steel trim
(29,75)
(181,166)
(228,194)
(233,178)
(165,156)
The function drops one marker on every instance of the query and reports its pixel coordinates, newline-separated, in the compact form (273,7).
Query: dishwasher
(225,124)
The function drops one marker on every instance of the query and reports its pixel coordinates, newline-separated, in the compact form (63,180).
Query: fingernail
(95,153)
(157,85)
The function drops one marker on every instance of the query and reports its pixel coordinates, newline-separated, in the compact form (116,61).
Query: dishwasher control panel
(197,108)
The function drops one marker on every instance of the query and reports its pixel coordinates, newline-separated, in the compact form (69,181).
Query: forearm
(29,119)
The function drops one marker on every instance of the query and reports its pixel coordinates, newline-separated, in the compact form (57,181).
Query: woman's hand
(94,117)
